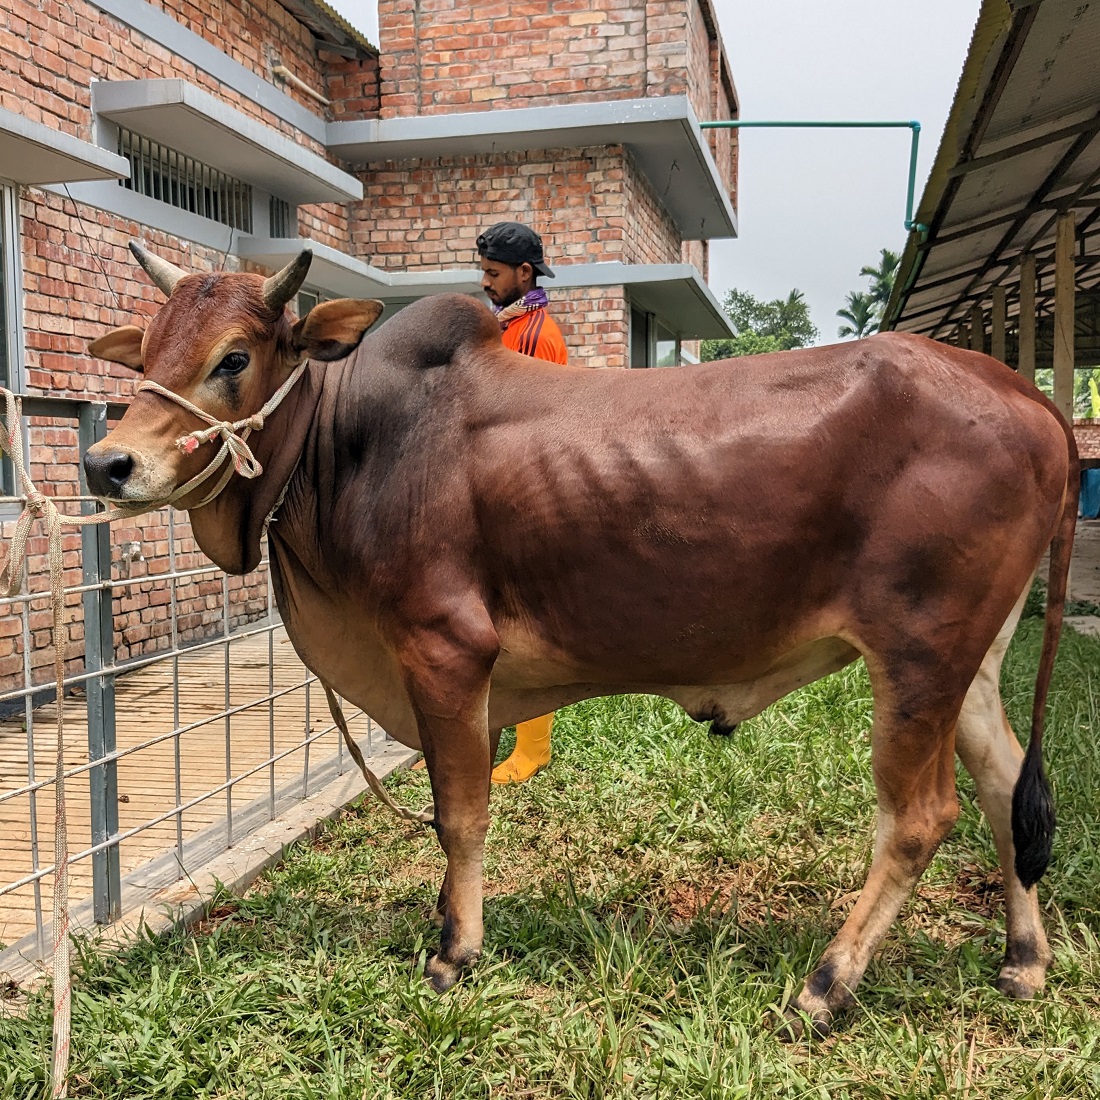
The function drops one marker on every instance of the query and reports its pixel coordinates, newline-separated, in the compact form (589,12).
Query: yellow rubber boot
(531,753)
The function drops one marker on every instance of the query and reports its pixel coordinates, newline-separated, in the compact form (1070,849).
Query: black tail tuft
(1032,818)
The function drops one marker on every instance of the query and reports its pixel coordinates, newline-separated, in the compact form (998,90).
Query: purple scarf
(532,300)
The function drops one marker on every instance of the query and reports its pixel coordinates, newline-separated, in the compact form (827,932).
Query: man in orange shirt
(511,261)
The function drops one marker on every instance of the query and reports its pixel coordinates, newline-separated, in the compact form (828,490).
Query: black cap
(513,243)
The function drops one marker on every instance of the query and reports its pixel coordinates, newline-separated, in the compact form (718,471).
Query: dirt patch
(748,889)
(227,911)
(976,890)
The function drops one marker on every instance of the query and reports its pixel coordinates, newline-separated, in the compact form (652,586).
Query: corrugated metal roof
(330,28)
(1022,143)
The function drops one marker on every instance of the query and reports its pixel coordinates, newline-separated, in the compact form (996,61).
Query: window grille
(283,222)
(169,176)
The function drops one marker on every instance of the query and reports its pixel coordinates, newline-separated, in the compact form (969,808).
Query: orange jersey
(536,334)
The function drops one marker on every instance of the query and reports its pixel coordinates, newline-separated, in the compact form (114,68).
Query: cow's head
(224,342)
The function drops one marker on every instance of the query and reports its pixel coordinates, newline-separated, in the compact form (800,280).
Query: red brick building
(231,133)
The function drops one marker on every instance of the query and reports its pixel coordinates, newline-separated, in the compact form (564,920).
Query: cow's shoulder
(437,331)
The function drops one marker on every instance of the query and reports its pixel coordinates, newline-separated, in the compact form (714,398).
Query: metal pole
(913,126)
(100,690)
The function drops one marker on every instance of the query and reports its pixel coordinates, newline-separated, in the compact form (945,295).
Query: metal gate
(190,720)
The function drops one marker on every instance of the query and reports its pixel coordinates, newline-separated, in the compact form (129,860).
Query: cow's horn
(164,275)
(283,285)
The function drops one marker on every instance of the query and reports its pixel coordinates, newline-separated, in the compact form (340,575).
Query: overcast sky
(815,206)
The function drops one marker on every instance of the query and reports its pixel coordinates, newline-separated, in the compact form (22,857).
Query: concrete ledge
(1084,624)
(662,133)
(191,121)
(35,154)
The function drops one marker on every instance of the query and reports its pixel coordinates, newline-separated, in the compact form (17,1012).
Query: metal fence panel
(191,720)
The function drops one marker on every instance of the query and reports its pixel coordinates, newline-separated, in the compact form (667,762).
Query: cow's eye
(233,363)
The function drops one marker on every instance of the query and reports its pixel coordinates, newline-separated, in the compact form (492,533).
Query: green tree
(762,326)
(882,280)
(859,315)
(1086,390)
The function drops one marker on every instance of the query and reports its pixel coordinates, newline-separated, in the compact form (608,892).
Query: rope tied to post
(37,506)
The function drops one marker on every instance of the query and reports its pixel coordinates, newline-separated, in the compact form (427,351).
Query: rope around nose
(38,506)
(234,445)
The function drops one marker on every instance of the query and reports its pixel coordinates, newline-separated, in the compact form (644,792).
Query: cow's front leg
(448,686)
(440,910)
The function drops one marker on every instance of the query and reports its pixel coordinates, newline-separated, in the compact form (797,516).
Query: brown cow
(465,538)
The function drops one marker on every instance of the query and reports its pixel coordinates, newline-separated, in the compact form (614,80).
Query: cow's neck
(230,527)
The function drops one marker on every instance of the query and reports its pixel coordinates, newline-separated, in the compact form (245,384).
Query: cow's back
(711,517)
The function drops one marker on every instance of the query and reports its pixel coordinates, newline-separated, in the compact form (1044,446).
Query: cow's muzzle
(108,472)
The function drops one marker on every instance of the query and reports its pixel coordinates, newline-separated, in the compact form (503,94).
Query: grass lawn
(652,899)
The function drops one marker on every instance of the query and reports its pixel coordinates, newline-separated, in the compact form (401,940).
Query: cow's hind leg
(913,755)
(990,752)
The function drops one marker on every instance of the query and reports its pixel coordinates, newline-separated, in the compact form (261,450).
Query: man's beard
(514,296)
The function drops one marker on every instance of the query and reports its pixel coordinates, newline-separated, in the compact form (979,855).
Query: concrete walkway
(1084,575)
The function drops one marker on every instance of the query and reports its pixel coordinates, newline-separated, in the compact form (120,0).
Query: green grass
(652,899)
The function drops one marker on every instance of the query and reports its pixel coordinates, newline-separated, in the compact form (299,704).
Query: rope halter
(233,446)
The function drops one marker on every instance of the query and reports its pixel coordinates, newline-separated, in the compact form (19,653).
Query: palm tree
(882,279)
(860,315)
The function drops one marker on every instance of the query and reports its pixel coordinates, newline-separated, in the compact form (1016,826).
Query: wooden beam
(977,328)
(962,334)
(1026,364)
(998,322)
(1064,302)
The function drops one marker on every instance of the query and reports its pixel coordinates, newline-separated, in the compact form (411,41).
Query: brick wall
(436,58)
(79,278)
(595,324)
(650,237)
(589,205)
(353,86)
(53,85)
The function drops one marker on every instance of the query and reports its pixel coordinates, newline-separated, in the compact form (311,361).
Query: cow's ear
(123,345)
(332,330)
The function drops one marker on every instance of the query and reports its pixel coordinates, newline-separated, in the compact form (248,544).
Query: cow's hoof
(793,1027)
(442,975)
(1018,983)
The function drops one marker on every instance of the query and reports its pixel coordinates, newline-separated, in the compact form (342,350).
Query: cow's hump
(436,331)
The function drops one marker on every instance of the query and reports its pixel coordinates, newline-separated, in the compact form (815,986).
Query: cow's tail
(1032,799)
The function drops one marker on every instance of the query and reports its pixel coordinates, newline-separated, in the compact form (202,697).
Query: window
(651,344)
(308,298)
(10,376)
(639,337)
(185,183)
(667,351)
(283,223)
(5,285)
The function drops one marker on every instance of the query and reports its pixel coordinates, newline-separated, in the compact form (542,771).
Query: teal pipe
(913,126)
